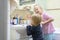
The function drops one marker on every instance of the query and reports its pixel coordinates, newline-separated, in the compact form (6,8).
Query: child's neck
(36,25)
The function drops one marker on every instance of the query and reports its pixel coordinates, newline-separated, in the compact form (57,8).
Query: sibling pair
(35,29)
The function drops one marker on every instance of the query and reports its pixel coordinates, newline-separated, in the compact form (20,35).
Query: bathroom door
(3,19)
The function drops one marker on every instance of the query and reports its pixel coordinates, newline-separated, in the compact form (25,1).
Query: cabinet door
(12,34)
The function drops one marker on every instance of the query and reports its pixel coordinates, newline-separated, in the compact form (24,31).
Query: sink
(21,29)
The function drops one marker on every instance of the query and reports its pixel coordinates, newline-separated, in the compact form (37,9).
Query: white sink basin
(21,29)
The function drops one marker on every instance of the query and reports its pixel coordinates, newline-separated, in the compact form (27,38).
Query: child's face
(38,10)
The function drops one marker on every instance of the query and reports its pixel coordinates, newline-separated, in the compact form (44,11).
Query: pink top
(47,28)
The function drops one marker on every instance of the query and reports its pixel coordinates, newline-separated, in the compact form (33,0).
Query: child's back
(35,28)
(35,31)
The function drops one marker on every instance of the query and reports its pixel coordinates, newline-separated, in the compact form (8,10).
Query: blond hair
(36,18)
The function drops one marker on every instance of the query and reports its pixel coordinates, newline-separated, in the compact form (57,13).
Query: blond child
(35,29)
(47,25)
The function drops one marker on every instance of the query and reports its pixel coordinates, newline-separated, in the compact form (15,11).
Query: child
(35,29)
(47,25)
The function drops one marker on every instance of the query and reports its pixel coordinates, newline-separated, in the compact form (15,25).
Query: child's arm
(47,21)
(28,30)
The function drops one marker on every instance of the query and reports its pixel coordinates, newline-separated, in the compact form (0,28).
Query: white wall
(42,3)
(56,16)
(54,6)
(51,4)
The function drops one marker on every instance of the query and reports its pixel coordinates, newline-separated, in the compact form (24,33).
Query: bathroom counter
(57,30)
(16,26)
(21,30)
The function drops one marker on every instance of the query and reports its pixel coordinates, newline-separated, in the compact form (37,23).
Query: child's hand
(30,24)
(43,23)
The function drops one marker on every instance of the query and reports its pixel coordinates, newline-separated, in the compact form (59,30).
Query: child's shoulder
(29,26)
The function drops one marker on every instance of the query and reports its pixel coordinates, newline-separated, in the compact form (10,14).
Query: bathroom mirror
(25,2)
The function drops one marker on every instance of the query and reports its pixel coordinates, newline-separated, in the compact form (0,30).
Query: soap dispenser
(15,20)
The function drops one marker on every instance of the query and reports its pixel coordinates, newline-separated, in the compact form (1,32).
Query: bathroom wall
(56,15)
(42,3)
(53,4)
(53,8)
(13,5)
